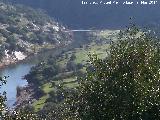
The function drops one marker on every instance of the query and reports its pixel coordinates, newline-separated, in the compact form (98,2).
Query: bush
(124,86)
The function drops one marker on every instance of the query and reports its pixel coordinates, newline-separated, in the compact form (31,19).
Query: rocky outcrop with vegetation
(24,31)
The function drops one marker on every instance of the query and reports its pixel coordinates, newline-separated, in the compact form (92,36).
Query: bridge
(81,30)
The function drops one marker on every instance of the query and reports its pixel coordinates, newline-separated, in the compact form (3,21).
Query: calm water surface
(15,73)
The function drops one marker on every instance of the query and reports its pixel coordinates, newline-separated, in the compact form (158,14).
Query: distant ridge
(75,15)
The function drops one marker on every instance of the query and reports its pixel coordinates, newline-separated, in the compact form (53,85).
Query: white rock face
(19,55)
(6,51)
(56,28)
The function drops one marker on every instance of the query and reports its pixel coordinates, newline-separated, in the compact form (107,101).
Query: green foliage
(124,86)
(2,97)
(22,113)
(43,72)
(11,40)
(2,53)
(31,29)
(4,33)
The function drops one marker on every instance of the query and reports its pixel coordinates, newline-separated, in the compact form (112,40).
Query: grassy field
(40,103)
(98,47)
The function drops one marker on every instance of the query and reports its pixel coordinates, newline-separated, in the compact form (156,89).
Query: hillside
(24,31)
(75,15)
(64,70)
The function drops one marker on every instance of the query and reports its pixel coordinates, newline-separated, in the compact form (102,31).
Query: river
(17,71)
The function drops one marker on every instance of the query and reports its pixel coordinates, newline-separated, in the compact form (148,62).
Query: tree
(2,97)
(71,66)
(21,113)
(12,42)
(123,86)
(73,57)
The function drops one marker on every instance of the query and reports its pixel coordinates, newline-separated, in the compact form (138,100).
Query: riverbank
(24,95)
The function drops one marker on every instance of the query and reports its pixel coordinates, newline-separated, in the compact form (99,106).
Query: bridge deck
(81,30)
